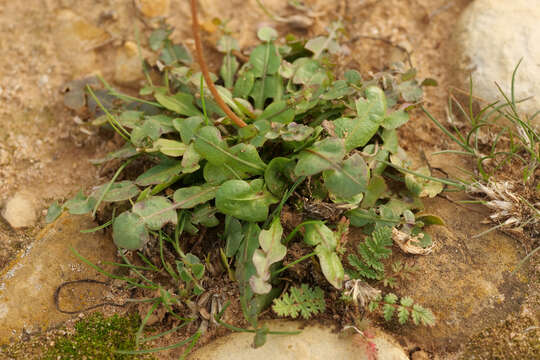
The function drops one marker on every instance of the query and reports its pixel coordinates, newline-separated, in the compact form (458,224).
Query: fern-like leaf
(361,269)
(302,301)
(372,250)
(422,315)
(380,241)
(403,315)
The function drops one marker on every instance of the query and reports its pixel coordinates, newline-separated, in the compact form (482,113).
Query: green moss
(97,337)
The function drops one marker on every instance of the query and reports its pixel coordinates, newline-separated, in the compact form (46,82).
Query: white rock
(19,211)
(491,37)
(313,343)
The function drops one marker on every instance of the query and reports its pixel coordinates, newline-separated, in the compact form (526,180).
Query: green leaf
(244,83)
(124,152)
(348,181)
(331,266)
(429,219)
(155,212)
(218,174)
(227,44)
(278,111)
(303,301)
(361,269)
(228,69)
(233,235)
(180,103)
(357,132)
(318,233)
(160,173)
(377,104)
(118,191)
(395,119)
(129,231)
(80,204)
(205,215)
(410,91)
(173,54)
(242,158)
(145,134)
(271,251)
(376,189)
(211,146)
(260,337)
(390,141)
(406,301)
(243,200)
(270,87)
(131,118)
(422,315)
(53,212)
(188,127)
(321,43)
(265,60)
(323,155)
(390,298)
(267,34)
(388,312)
(338,90)
(278,175)
(168,147)
(353,77)
(190,160)
(158,37)
(189,197)
(403,315)
(309,72)
(423,187)
(245,158)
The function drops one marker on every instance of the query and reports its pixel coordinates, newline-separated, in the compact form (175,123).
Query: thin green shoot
(203,102)
(108,187)
(112,120)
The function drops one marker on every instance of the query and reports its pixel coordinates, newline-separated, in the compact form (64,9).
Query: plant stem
(204,68)
(279,271)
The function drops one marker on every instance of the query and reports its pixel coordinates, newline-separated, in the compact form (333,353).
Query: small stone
(75,40)
(4,157)
(19,211)
(420,355)
(153,8)
(491,37)
(314,343)
(128,68)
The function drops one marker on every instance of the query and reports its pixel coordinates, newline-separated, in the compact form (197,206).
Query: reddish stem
(204,68)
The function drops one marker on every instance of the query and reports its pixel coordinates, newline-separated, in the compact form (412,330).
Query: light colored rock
(20,211)
(491,37)
(28,283)
(313,343)
(76,40)
(4,157)
(128,68)
(153,8)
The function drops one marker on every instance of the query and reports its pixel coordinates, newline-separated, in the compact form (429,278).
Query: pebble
(153,8)
(491,37)
(4,157)
(20,211)
(128,68)
(314,343)
(76,38)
